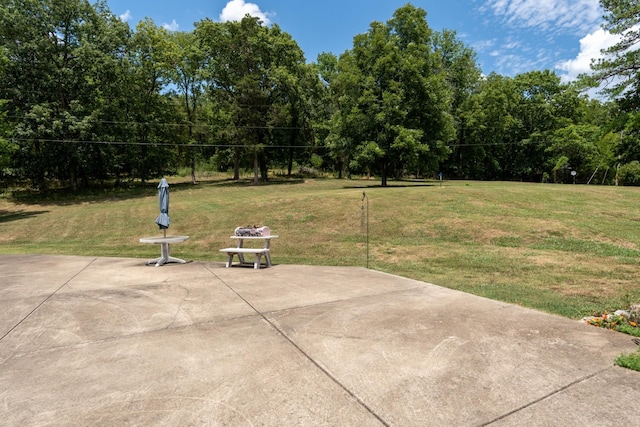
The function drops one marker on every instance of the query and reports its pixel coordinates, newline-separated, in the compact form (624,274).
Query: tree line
(86,98)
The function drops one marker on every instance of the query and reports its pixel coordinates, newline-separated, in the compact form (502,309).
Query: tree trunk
(191,151)
(384,172)
(72,178)
(193,168)
(264,168)
(293,138)
(256,168)
(236,165)
(290,162)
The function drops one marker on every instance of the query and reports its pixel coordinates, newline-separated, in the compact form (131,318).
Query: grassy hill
(566,249)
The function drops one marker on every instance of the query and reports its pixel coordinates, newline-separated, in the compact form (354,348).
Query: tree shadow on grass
(133,190)
(17,216)
(392,183)
(246,182)
(389,186)
(94,194)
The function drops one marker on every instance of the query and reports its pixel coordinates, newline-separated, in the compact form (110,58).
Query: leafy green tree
(334,134)
(6,148)
(540,113)
(394,111)
(300,91)
(560,163)
(629,147)
(607,157)
(602,123)
(464,78)
(578,145)
(148,115)
(63,61)
(513,128)
(460,64)
(489,126)
(324,107)
(619,66)
(186,61)
(254,75)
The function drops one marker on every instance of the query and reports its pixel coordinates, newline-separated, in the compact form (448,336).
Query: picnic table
(240,250)
(165,250)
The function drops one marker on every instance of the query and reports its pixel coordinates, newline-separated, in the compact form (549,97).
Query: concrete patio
(110,341)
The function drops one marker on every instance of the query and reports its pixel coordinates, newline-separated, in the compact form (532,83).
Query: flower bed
(625,321)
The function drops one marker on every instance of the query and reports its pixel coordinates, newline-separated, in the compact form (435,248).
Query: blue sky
(509,36)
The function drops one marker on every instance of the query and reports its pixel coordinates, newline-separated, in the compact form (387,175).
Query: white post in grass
(364,223)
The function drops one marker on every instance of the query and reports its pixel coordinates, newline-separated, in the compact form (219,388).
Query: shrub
(630,173)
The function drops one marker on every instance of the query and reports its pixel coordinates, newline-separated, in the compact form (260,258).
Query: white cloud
(235,10)
(591,46)
(484,45)
(171,27)
(569,16)
(126,16)
(513,63)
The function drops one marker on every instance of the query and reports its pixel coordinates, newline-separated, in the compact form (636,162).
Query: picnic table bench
(240,250)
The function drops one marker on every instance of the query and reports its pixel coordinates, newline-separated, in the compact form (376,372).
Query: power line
(482,144)
(168,144)
(184,125)
(158,144)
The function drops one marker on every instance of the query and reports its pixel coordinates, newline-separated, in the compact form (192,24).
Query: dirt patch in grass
(594,290)
(547,260)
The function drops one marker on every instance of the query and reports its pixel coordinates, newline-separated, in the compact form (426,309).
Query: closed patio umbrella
(163,222)
(163,197)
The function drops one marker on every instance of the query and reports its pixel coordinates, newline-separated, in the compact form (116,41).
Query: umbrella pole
(165,232)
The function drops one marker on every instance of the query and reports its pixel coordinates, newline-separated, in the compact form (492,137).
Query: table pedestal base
(165,257)
(165,251)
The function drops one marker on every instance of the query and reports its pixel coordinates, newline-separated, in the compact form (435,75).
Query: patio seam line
(304,353)
(123,337)
(333,301)
(47,299)
(548,395)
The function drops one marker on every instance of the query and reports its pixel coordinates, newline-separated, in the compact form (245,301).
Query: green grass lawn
(565,249)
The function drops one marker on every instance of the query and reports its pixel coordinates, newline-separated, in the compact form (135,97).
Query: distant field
(566,249)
